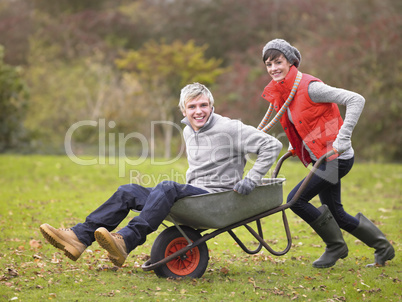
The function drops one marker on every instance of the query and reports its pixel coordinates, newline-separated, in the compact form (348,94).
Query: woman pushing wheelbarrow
(308,112)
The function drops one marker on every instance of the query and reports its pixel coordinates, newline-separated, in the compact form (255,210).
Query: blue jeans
(154,204)
(326,183)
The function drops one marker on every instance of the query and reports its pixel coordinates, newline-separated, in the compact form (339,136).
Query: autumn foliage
(69,49)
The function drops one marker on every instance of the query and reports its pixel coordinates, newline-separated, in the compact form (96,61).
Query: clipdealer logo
(112,152)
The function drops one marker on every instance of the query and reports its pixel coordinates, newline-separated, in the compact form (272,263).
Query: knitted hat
(291,53)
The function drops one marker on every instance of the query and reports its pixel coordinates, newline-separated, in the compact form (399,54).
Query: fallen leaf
(36,244)
(12,272)
(364,284)
(3,278)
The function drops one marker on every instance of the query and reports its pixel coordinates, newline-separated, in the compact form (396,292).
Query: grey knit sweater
(217,153)
(322,93)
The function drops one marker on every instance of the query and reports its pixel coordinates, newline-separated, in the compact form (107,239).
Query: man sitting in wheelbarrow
(216,151)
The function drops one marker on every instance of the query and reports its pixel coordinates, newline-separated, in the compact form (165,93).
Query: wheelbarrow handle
(290,154)
(280,162)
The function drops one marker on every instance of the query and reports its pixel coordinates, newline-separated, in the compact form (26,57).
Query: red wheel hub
(184,264)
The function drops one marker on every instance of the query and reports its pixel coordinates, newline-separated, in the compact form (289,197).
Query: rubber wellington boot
(367,232)
(327,228)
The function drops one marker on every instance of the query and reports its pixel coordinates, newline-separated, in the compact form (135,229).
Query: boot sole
(389,256)
(69,250)
(106,241)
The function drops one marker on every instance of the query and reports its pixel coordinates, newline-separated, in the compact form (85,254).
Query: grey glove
(244,186)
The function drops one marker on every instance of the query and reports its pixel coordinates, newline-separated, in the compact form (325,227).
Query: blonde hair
(193,91)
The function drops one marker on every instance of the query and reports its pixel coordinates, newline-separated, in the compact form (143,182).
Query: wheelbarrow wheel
(192,264)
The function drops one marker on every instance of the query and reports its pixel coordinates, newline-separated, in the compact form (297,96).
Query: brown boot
(63,239)
(114,244)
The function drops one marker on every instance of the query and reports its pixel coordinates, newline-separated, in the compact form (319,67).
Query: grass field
(54,190)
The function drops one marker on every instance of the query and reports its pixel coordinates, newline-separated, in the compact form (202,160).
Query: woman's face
(278,68)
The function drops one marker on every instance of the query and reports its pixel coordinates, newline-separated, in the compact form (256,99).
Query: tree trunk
(168,133)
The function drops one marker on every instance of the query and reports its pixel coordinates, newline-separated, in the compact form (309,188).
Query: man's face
(197,112)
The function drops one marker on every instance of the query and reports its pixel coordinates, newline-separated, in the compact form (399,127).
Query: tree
(162,70)
(13,104)
(348,44)
(64,93)
(15,28)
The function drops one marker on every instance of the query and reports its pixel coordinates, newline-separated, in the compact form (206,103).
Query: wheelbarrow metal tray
(219,210)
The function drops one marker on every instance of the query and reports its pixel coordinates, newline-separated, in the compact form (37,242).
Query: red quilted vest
(317,124)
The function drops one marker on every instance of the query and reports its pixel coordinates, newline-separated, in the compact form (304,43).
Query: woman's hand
(341,145)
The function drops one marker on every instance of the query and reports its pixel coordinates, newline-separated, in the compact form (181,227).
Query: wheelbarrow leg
(241,244)
(266,245)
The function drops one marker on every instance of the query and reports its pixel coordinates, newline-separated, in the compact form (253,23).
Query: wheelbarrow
(181,250)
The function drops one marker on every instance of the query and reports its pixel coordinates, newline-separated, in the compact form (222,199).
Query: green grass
(54,190)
